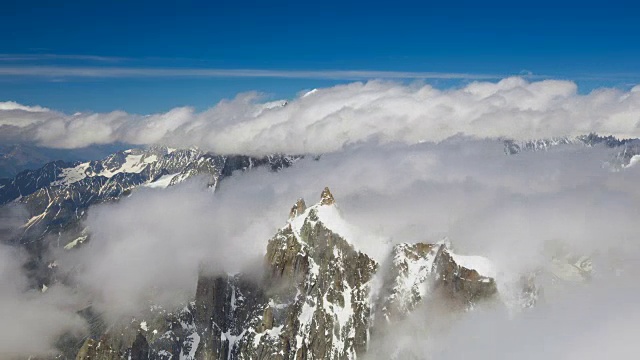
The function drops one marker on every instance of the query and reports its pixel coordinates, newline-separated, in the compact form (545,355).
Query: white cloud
(405,163)
(593,322)
(32,321)
(333,118)
(150,247)
(12,105)
(504,207)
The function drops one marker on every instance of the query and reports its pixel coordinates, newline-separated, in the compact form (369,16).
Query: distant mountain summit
(15,158)
(514,147)
(58,194)
(626,152)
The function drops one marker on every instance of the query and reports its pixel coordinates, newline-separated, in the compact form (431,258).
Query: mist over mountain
(370,220)
(328,180)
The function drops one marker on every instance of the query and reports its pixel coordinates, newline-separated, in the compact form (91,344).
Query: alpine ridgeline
(319,297)
(56,196)
(624,152)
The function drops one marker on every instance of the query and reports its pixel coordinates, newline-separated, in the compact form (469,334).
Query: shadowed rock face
(327,281)
(315,299)
(326,198)
(140,348)
(421,271)
(460,284)
(298,208)
(408,279)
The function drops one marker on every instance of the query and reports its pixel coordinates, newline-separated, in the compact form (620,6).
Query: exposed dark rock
(140,348)
(326,197)
(466,286)
(314,300)
(96,350)
(298,208)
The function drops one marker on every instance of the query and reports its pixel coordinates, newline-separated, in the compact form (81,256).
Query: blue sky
(151,56)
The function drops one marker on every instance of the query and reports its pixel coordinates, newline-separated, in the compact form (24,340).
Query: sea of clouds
(406,163)
(332,118)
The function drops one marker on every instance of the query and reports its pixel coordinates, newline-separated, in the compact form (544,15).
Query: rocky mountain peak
(326,198)
(323,286)
(316,300)
(298,208)
(420,271)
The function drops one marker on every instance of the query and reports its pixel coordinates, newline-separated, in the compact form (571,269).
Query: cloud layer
(588,323)
(405,163)
(331,119)
(149,247)
(507,208)
(31,320)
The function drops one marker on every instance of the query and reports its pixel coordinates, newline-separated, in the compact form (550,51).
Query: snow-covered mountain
(57,194)
(514,147)
(626,151)
(320,298)
(15,158)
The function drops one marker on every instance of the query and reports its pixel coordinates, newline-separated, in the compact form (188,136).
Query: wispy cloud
(133,72)
(54,57)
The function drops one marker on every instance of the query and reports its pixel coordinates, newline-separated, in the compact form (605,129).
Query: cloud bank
(405,163)
(31,320)
(588,323)
(507,208)
(150,247)
(331,119)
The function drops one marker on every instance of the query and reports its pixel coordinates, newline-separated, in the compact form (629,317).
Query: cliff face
(322,289)
(318,298)
(420,271)
(313,302)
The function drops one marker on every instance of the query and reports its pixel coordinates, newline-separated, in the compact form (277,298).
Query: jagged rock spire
(298,208)
(326,198)
(445,241)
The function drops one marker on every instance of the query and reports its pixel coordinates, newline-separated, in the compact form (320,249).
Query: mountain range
(317,295)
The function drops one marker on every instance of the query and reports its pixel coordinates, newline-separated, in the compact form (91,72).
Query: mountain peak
(326,198)
(298,208)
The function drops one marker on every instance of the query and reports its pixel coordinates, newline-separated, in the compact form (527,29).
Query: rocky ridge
(57,195)
(626,152)
(319,298)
